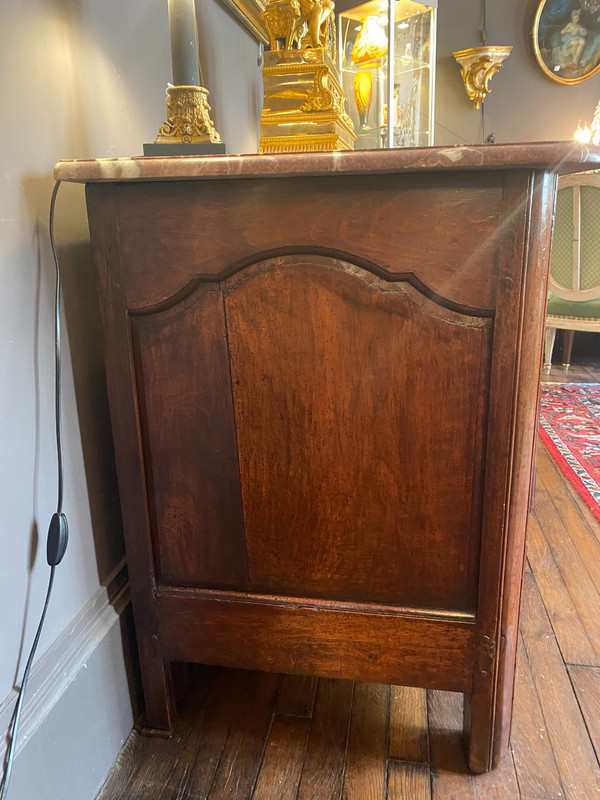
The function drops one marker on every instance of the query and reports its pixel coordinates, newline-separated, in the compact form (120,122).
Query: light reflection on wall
(94,86)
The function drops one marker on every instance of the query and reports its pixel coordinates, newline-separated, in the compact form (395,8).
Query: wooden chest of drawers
(323,376)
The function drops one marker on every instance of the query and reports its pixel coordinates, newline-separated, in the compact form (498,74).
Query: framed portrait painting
(566,39)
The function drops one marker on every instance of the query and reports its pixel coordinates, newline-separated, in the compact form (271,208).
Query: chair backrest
(575,265)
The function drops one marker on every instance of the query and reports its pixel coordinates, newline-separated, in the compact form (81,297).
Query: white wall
(81,78)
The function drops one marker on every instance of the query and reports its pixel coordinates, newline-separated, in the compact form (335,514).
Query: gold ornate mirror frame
(568,48)
(248,12)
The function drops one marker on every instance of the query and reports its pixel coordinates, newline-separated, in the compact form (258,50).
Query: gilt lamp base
(304,104)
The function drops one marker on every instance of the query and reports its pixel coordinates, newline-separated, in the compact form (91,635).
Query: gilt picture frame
(248,12)
(566,39)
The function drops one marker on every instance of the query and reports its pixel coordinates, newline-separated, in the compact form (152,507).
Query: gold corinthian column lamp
(188,129)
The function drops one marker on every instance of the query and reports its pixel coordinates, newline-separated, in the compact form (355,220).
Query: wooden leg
(486,738)
(488,711)
(158,695)
(549,347)
(567,348)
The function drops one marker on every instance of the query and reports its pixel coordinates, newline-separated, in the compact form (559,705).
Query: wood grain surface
(316,639)
(337,465)
(398,224)
(408,724)
(325,759)
(408,781)
(189,433)
(364,778)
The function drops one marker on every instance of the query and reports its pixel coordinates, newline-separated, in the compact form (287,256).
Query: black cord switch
(58,536)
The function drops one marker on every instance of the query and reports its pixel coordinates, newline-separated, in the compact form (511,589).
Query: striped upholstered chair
(574,298)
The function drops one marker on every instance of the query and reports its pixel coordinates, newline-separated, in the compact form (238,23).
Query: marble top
(561,157)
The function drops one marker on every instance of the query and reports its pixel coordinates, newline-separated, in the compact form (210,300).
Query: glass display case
(366,62)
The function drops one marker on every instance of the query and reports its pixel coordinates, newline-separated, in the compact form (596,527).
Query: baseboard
(60,664)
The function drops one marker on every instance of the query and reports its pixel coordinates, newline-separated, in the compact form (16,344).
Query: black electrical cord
(16,718)
(58,530)
(57,349)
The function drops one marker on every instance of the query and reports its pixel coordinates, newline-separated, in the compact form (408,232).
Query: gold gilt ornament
(303,106)
(478,65)
(188,117)
(306,23)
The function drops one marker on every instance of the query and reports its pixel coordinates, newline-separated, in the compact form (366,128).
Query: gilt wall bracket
(478,65)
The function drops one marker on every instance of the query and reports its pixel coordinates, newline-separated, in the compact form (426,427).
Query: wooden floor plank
(323,770)
(584,529)
(193,774)
(297,695)
(584,594)
(154,772)
(568,499)
(586,682)
(569,503)
(242,756)
(117,780)
(499,784)
(532,750)
(586,371)
(575,759)
(281,766)
(408,781)
(152,775)
(451,777)
(574,643)
(408,725)
(366,757)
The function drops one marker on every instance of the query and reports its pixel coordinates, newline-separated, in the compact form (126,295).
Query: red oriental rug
(570,429)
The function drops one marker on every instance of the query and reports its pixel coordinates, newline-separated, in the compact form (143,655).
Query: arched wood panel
(311,417)
(359,406)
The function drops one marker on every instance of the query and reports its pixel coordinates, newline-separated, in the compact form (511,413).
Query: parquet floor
(255,736)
